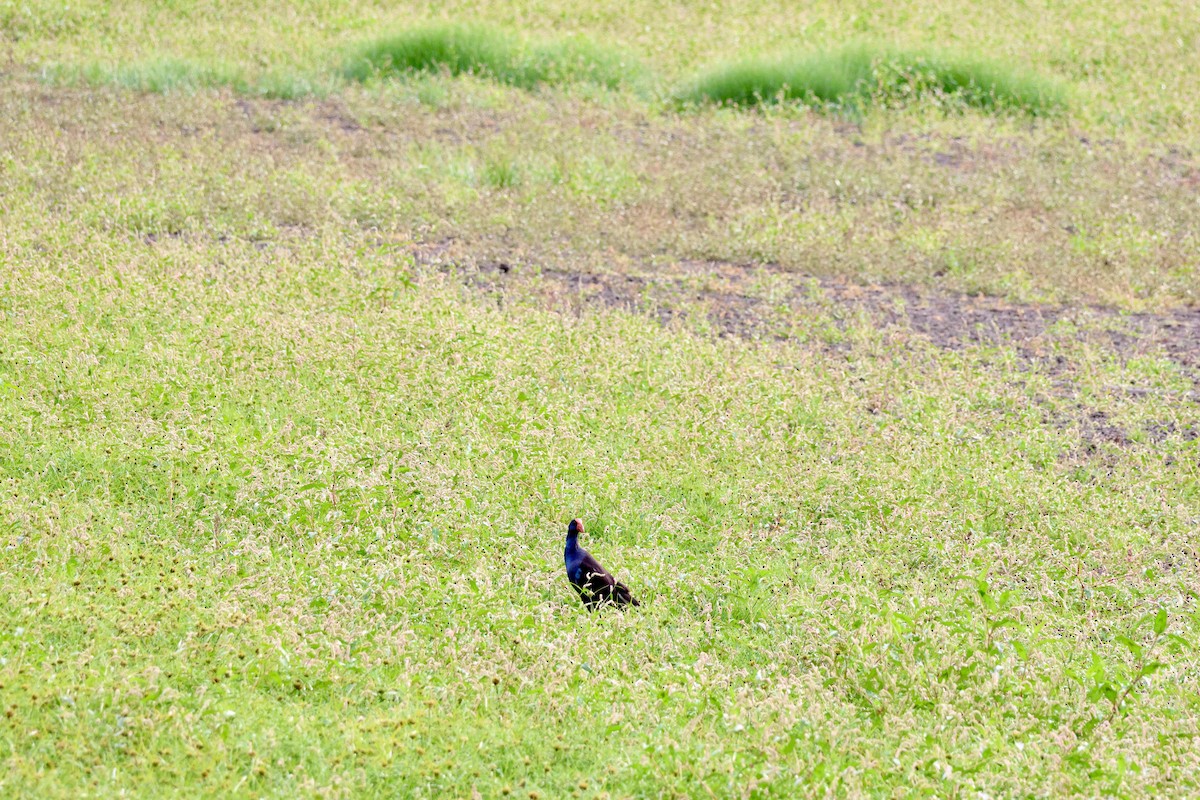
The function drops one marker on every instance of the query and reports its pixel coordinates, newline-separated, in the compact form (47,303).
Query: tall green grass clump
(978,83)
(460,49)
(815,79)
(859,75)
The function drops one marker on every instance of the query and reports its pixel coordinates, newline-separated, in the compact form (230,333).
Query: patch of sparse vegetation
(173,75)
(161,76)
(860,75)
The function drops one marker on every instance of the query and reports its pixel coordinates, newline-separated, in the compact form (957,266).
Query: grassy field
(1133,67)
(890,418)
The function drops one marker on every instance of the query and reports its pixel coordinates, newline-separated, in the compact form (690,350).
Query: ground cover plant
(459,49)
(890,422)
(858,75)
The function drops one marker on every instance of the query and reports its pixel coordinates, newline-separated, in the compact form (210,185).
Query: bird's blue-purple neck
(572,549)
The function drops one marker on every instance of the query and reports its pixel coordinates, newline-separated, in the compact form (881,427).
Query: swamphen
(592,581)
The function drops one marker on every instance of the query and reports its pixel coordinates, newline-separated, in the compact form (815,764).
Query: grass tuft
(460,49)
(858,75)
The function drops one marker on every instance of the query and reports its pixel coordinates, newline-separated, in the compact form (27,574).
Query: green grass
(166,75)
(1130,68)
(171,75)
(284,508)
(859,75)
(459,49)
(285,479)
(973,204)
(850,77)
(292,526)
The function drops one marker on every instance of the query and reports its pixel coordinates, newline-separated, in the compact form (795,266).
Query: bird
(593,582)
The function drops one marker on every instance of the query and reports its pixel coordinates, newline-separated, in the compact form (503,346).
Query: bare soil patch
(739,302)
